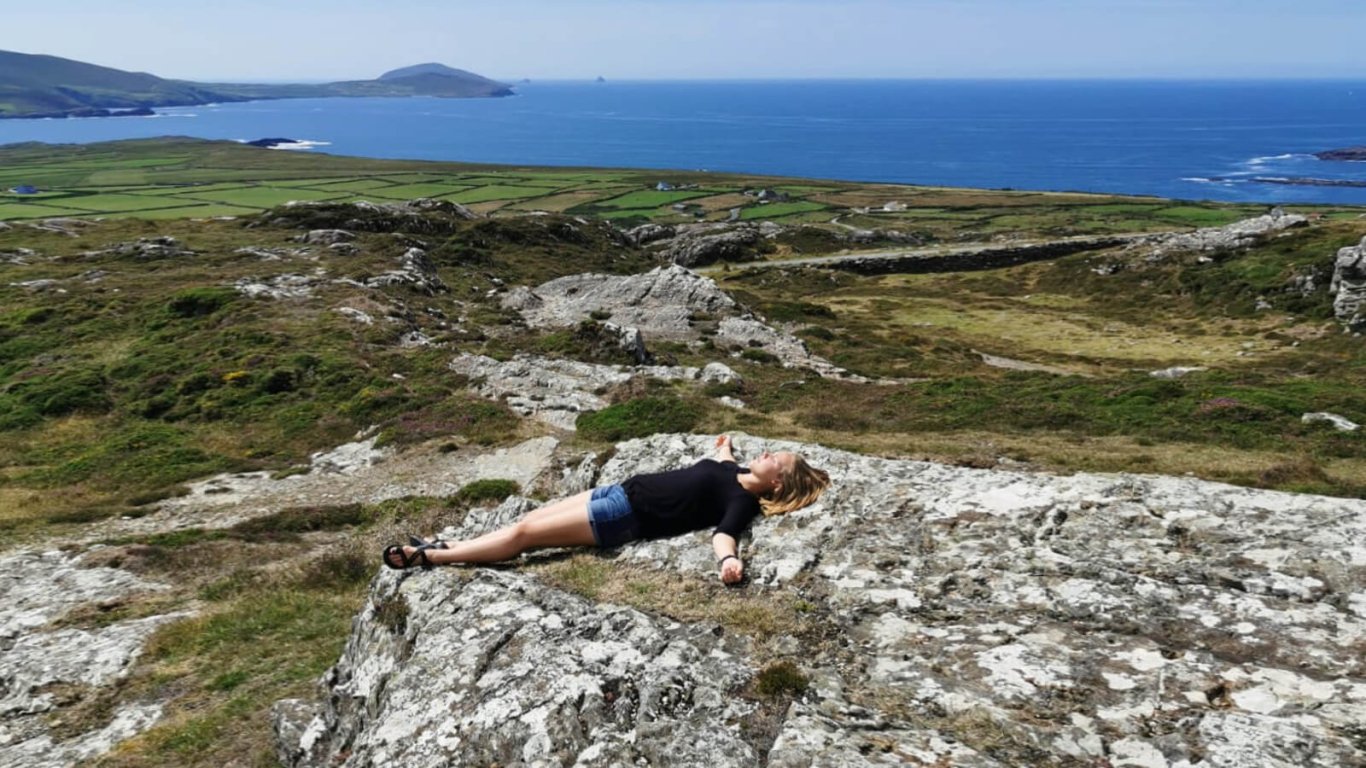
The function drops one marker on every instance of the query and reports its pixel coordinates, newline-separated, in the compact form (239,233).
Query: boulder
(708,246)
(1340,423)
(649,233)
(415,270)
(717,373)
(1349,286)
(326,237)
(961,617)
(666,302)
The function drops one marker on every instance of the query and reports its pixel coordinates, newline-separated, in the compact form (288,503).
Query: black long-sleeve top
(707,494)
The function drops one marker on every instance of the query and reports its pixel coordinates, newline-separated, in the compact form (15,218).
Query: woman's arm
(732,567)
(723,449)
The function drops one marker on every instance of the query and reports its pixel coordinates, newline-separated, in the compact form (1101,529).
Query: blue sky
(674,39)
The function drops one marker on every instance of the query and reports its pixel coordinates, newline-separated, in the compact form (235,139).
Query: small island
(1349,154)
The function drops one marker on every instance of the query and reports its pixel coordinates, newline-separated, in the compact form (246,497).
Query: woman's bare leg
(561,524)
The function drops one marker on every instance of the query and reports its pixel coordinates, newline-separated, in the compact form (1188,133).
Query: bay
(1217,140)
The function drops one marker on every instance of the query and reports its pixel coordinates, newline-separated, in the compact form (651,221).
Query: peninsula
(38,86)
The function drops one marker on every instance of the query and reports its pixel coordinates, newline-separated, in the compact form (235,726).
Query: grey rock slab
(1239,234)
(491,667)
(37,588)
(1340,423)
(552,390)
(77,656)
(1124,599)
(1348,286)
(25,744)
(661,303)
(977,617)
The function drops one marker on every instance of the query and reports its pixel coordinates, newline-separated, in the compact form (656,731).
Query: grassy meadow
(126,373)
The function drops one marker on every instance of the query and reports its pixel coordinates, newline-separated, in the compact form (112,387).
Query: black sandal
(418,556)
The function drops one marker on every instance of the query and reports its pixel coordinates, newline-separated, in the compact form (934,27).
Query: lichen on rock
(973,617)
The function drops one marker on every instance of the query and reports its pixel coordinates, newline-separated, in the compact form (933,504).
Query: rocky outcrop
(659,302)
(699,247)
(326,237)
(516,674)
(1239,234)
(415,270)
(970,617)
(649,233)
(146,249)
(422,216)
(62,226)
(17,256)
(555,391)
(1349,286)
(279,286)
(1349,154)
(42,668)
(669,303)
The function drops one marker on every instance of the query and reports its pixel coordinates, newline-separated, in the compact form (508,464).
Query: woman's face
(772,467)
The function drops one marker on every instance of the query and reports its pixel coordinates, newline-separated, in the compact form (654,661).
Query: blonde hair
(800,487)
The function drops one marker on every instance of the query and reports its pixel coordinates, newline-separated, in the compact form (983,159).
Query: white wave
(1198,179)
(302,144)
(1264,159)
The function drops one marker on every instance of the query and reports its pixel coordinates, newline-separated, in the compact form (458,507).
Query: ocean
(1217,140)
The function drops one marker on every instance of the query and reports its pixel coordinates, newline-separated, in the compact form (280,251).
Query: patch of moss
(639,418)
(487,490)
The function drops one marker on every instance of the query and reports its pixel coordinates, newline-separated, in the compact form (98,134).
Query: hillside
(48,86)
(1072,521)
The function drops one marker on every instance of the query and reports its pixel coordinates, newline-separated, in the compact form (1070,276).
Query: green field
(166,178)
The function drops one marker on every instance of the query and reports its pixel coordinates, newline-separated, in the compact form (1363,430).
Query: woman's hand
(723,448)
(732,570)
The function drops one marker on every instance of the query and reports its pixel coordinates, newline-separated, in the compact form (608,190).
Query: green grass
(651,199)
(265,197)
(413,191)
(494,192)
(779,210)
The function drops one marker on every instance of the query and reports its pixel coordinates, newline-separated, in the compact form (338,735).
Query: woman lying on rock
(717,494)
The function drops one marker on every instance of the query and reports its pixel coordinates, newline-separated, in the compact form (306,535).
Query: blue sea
(1219,140)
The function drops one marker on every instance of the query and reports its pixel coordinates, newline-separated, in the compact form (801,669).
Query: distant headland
(40,86)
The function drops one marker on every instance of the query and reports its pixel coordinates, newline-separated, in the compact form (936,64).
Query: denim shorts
(610,516)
